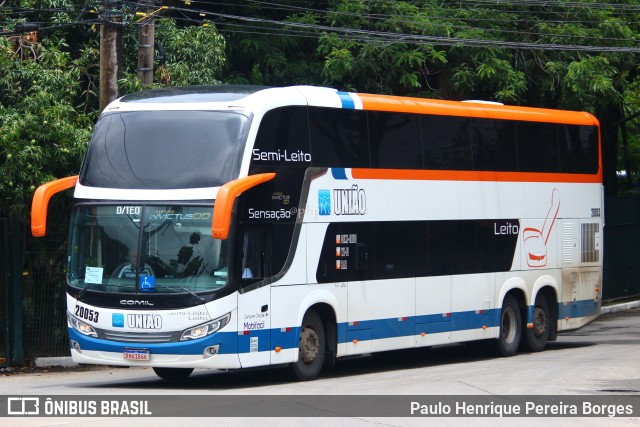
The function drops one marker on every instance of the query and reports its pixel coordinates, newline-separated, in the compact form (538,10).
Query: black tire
(535,339)
(510,328)
(173,374)
(311,348)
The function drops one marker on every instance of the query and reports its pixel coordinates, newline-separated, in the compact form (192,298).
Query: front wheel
(311,348)
(510,328)
(535,338)
(173,374)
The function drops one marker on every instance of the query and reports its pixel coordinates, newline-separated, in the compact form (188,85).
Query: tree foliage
(442,49)
(43,131)
(49,85)
(452,50)
(192,55)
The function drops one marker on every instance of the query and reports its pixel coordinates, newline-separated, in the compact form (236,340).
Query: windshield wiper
(83,290)
(202,300)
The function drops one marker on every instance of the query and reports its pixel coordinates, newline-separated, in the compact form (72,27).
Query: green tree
(48,90)
(571,55)
(43,128)
(191,55)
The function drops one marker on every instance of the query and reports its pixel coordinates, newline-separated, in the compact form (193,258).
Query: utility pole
(110,51)
(146,50)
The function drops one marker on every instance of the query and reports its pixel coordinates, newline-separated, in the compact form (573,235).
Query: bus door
(254,298)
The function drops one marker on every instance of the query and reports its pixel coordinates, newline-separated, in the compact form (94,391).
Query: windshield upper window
(165,149)
(159,249)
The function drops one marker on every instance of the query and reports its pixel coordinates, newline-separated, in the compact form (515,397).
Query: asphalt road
(601,359)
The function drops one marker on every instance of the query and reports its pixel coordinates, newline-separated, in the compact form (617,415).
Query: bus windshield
(165,149)
(158,249)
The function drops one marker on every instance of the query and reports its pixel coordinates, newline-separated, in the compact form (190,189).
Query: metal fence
(4,292)
(621,248)
(43,293)
(33,273)
(32,291)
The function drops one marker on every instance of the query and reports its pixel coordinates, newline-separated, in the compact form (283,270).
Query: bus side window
(255,252)
(446,143)
(395,141)
(339,138)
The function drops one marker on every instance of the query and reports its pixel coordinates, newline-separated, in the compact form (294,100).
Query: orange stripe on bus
(476,110)
(448,175)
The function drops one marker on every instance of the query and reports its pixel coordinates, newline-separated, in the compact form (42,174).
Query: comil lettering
(350,201)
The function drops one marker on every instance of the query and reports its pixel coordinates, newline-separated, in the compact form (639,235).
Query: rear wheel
(311,348)
(535,338)
(510,328)
(173,374)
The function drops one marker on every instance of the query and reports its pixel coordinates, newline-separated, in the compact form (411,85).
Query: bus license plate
(136,354)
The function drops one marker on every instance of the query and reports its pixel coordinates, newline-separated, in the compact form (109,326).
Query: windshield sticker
(147,283)
(93,275)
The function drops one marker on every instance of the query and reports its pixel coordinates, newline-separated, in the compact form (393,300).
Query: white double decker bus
(227,227)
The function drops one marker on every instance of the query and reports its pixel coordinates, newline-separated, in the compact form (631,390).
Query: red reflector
(287,329)
(247,332)
(355,323)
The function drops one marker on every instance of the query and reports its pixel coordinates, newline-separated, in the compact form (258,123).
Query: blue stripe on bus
(347,101)
(339,173)
(414,325)
(582,308)
(228,344)
(287,338)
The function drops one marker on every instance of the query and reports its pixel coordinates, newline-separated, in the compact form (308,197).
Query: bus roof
(188,94)
(218,95)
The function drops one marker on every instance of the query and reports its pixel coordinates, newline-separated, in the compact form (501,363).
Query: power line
(392,37)
(265,26)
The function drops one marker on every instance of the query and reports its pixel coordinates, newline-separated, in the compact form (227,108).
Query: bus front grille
(137,337)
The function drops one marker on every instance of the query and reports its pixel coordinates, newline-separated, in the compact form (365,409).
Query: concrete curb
(67,362)
(55,362)
(620,307)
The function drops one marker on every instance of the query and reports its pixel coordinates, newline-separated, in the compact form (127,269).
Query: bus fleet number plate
(136,354)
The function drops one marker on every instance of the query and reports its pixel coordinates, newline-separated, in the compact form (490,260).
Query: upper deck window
(165,149)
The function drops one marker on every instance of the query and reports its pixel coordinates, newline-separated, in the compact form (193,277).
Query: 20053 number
(85,313)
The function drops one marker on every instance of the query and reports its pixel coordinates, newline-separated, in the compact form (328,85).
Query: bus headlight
(206,328)
(81,327)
